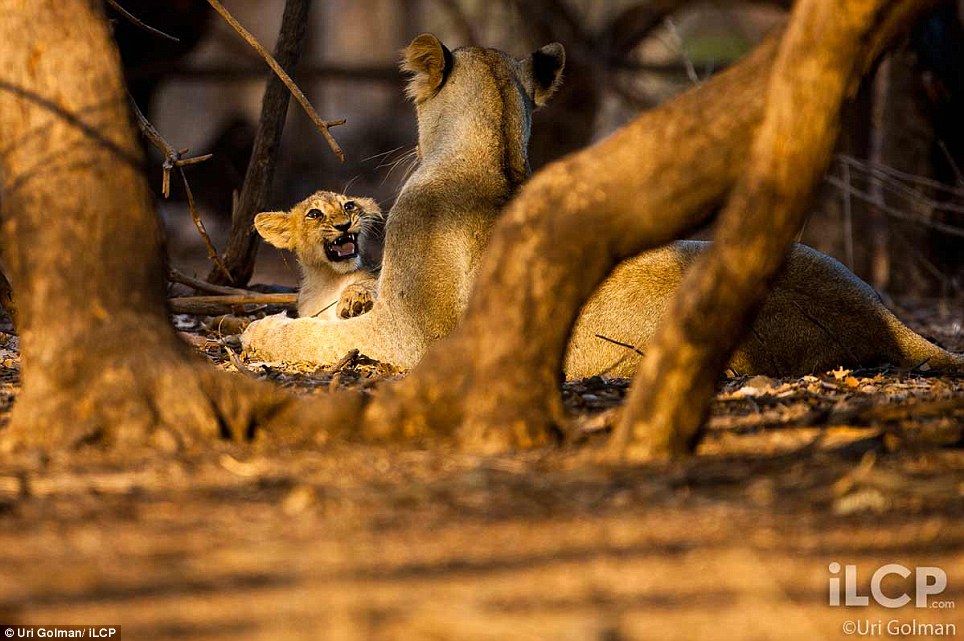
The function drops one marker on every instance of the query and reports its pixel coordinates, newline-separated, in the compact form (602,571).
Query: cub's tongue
(344,250)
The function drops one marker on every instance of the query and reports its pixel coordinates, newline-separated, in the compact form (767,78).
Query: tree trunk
(101,361)
(242,247)
(824,54)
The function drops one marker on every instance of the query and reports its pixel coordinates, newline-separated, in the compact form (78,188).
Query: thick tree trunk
(824,54)
(101,362)
(242,247)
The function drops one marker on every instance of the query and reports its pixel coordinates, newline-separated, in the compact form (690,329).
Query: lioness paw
(356,299)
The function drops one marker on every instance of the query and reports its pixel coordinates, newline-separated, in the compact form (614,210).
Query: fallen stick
(213,305)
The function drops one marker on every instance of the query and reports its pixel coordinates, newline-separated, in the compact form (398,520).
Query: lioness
(325,231)
(474,112)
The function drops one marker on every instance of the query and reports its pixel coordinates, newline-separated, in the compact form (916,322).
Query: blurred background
(892,207)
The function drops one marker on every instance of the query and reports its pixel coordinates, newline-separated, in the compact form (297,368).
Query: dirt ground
(358,542)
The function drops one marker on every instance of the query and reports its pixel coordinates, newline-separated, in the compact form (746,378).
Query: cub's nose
(345,225)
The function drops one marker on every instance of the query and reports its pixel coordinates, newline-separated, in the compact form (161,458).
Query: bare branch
(177,276)
(950,161)
(323,125)
(138,22)
(173,159)
(848,189)
(213,255)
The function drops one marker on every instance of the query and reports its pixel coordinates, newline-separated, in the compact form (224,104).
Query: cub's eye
(349,205)
(313,213)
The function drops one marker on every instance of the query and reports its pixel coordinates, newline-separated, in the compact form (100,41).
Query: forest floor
(344,542)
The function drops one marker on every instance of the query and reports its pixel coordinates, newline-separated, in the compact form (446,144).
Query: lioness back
(819,316)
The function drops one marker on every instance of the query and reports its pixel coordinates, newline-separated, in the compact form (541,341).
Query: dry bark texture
(102,363)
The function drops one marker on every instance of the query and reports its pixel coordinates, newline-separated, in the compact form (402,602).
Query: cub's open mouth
(342,248)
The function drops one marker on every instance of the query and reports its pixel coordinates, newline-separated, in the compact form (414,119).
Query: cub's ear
(429,62)
(274,227)
(542,72)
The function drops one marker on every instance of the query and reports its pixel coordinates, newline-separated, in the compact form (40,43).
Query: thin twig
(895,213)
(622,359)
(681,49)
(236,361)
(140,23)
(324,309)
(875,167)
(621,344)
(895,186)
(174,159)
(950,161)
(323,125)
(213,254)
(848,219)
(178,276)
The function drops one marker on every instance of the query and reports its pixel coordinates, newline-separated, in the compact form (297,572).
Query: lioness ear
(542,72)
(429,62)
(274,227)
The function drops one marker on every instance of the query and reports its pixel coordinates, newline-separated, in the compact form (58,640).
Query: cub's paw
(356,299)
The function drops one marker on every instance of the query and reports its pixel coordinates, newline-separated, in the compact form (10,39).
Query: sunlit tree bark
(101,361)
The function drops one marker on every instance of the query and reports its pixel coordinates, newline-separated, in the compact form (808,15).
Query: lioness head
(480,92)
(322,230)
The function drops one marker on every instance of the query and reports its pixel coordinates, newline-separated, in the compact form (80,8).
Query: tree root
(162,396)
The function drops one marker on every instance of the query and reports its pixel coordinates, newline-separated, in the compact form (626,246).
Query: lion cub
(324,231)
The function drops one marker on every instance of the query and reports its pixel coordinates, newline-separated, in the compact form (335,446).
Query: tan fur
(473,133)
(818,317)
(329,289)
